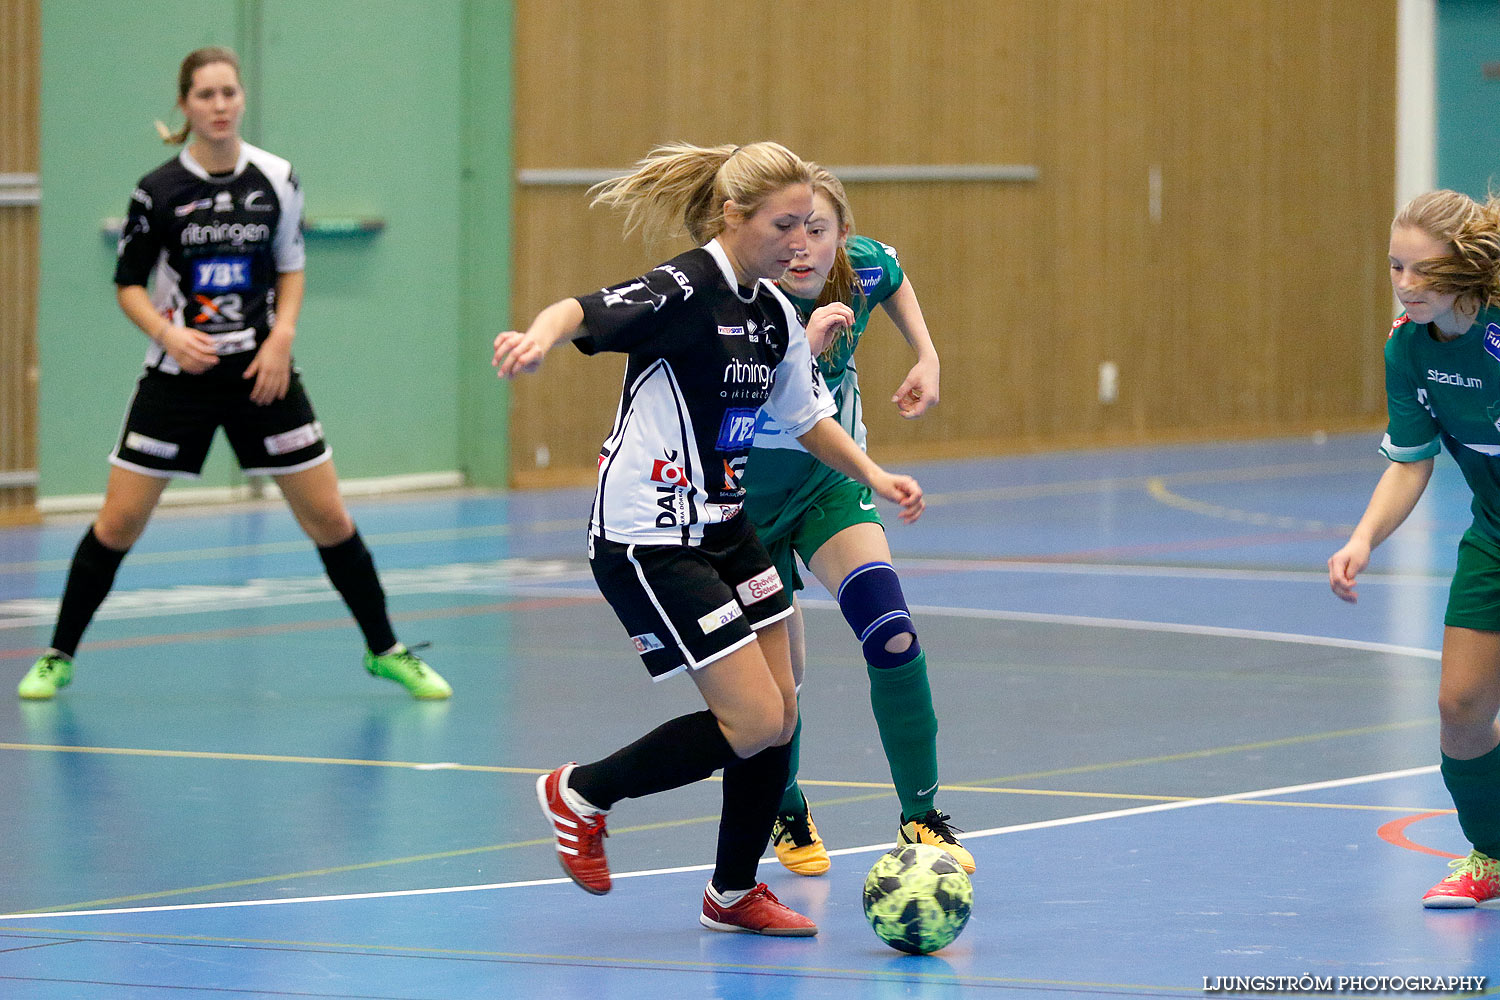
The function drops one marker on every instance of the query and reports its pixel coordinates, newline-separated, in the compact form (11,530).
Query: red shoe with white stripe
(580,839)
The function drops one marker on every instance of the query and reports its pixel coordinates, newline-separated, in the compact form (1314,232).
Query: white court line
(997,831)
(1137,625)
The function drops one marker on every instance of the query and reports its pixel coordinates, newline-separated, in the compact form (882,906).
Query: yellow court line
(903,971)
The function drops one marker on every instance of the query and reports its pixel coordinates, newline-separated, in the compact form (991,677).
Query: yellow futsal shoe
(932,828)
(46,675)
(798,846)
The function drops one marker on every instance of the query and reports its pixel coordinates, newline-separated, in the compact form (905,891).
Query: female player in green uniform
(1442,380)
(800,507)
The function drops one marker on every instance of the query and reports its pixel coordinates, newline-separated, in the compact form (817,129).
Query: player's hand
(903,490)
(271,368)
(1346,564)
(518,353)
(919,391)
(192,349)
(825,323)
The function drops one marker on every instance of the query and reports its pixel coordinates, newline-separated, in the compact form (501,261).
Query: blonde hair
(1472,231)
(194,61)
(842,285)
(691,183)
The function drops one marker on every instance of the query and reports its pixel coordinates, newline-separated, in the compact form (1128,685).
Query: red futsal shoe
(757,912)
(580,839)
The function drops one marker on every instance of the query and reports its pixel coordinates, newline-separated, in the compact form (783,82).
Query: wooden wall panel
(1245,306)
(20,103)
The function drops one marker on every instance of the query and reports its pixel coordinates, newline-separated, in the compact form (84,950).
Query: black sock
(351,569)
(90,578)
(752,793)
(679,752)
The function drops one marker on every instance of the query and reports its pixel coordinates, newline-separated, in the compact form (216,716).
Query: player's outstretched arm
(1398,491)
(831,444)
(517,352)
(919,390)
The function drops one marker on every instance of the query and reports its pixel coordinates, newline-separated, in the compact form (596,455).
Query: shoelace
(590,832)
(937,822)
(409,655)
(793,826)
(1476,868)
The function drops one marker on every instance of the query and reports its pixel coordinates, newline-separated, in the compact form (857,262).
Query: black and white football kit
(211,247)
(669,548)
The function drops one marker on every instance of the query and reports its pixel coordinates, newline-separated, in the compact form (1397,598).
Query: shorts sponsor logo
(150,445)
(719,617)
(295,439)
(646,643)
(221,274)
(737,430)
(868,278)
(1492,340)
(760,586)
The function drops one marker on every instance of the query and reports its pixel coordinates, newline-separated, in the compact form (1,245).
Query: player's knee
(754,726)
(875,608)
(1461,710)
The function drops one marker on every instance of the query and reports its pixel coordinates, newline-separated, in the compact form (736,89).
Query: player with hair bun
(216,234)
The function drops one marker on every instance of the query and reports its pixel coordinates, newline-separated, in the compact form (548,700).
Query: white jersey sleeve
(799,396)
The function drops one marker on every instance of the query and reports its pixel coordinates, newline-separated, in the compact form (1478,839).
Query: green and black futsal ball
(918,898)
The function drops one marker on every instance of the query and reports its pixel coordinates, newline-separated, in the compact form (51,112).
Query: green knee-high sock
(1475,787)
(902,700)
(791,799)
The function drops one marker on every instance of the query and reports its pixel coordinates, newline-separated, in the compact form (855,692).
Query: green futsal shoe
(46,675)
(407,669)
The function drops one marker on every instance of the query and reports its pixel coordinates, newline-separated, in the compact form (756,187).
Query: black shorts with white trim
(689,605)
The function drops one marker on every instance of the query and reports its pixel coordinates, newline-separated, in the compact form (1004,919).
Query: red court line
(1394,832)
(531,604)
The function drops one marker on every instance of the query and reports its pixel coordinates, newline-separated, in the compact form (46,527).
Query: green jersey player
(801,507)
(1442,365)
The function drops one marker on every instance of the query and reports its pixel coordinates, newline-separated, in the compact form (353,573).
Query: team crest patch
(646,643)
(1492,340)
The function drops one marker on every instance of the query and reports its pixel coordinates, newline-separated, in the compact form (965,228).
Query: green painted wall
(1468,123)
(372,102)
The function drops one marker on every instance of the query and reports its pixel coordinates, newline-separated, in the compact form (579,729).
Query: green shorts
(842,505)
(1474,596)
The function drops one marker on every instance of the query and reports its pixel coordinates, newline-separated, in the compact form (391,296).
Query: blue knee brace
(875,609)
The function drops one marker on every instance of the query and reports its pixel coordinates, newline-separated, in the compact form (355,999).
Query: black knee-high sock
(679,752)
(90,578)
(351,569)
(752,793)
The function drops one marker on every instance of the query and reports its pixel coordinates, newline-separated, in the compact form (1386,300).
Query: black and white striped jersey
(211,246)
(704,355)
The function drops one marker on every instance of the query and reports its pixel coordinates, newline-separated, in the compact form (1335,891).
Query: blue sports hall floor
(1179,760)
